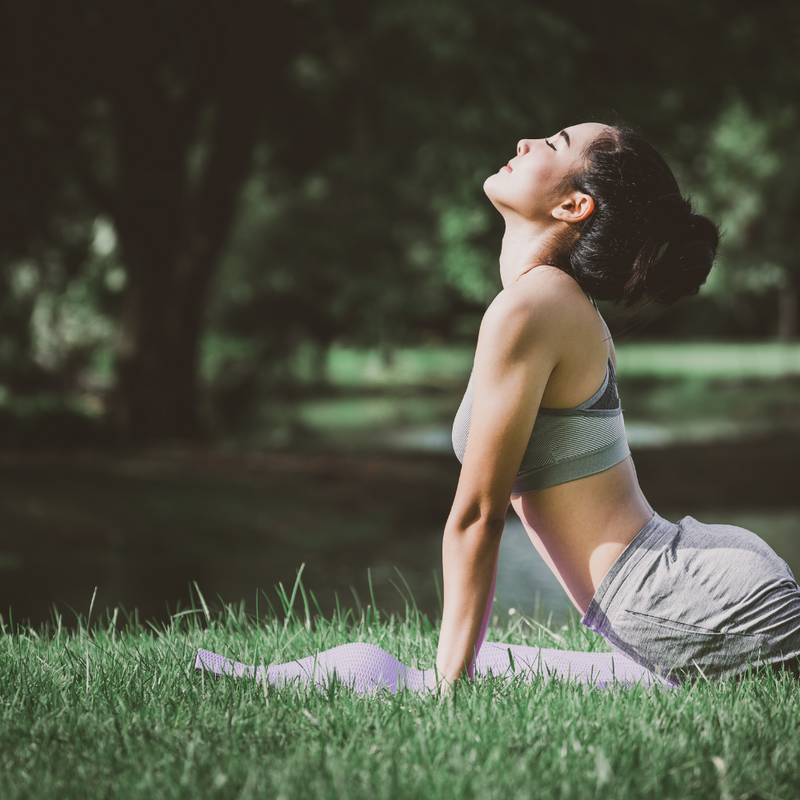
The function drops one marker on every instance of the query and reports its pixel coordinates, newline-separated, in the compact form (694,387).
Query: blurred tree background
(198,200)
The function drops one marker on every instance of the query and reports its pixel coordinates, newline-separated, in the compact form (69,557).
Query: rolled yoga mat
(367,668)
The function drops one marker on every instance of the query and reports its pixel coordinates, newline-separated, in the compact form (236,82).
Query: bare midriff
(581,527)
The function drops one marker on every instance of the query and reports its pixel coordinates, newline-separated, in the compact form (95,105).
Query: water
(143,534)
(394,572)
(401,571)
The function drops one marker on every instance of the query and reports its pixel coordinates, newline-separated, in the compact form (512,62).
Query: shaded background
(244,254)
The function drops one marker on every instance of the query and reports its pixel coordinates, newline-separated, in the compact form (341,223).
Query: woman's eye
(550,144)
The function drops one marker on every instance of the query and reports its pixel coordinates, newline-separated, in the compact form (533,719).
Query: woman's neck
(524,247)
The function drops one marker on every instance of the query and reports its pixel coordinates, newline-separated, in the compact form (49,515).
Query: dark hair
(642,242)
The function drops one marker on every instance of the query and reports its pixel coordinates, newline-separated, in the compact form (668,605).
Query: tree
(154,108)
(376,122)
(743,167)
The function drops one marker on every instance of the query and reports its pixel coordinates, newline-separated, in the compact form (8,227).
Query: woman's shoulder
(545,299)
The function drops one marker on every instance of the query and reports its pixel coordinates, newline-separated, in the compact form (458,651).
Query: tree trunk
(156,397)
(172,233)
(122,89)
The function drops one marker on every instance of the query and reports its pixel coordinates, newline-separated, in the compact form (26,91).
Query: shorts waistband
(656,531)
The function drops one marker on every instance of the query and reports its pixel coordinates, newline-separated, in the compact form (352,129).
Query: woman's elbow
(485,524)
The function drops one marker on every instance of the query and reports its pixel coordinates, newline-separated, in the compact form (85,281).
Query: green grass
(709,360)
(429,365)
(738,388)
(105,711)
(440,365)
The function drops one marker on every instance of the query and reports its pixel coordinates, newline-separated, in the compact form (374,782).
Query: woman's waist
(585,525)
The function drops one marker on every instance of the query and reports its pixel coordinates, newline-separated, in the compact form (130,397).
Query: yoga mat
(367,668)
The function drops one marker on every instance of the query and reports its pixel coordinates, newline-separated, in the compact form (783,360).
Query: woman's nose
(522,147)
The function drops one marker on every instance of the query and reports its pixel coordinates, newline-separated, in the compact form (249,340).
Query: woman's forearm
(469,562)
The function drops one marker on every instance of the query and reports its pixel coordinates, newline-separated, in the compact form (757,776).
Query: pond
(144,530)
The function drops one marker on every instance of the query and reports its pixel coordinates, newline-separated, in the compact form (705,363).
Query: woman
(592,212)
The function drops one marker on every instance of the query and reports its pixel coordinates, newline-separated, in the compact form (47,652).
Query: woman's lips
(508,167)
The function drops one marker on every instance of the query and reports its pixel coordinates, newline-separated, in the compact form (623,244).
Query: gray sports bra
(566,443)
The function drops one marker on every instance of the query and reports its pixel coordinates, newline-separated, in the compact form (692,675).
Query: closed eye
(550,144)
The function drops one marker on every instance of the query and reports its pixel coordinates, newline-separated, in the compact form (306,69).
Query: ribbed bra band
(565,444)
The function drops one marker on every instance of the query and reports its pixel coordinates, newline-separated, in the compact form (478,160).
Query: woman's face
(526,185)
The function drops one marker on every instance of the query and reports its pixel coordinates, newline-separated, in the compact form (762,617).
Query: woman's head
(619,224)
(527,186)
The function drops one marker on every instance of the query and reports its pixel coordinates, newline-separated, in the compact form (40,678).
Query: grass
(117,710)
(113,708)
(443,364)
(742,387)
(710,360)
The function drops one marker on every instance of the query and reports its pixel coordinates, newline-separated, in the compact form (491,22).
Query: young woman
(591,212)
(595,212)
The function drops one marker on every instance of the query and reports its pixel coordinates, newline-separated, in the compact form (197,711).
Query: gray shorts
(688,598)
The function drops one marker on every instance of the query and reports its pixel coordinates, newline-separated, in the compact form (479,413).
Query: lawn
(116,710)
(724,389)
(113,708)
(667,359)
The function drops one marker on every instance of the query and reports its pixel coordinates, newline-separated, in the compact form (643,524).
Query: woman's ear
(576,207)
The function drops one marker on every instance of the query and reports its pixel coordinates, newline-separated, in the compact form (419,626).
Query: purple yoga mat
(368,668)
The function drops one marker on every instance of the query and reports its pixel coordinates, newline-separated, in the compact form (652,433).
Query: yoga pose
(590,212)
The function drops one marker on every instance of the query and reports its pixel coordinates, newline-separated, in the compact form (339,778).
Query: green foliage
(467,265)
(117,709)
(361,217)
(57,325)
(732,174)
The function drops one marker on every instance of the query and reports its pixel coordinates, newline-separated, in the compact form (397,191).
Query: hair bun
(642,243)
(682,263)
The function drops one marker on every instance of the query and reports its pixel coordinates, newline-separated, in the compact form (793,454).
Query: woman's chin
(493,192)
(489,186)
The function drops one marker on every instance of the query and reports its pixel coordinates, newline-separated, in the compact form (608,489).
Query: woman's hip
(688,598)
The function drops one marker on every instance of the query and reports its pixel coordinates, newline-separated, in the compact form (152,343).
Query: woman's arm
(517,350)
